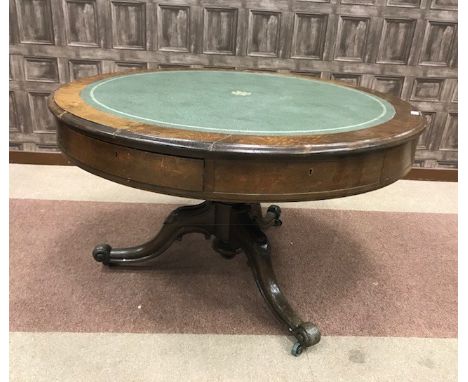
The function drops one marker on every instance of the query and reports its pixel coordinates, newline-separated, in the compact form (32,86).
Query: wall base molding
(434,174)
(29,157)
(417,173)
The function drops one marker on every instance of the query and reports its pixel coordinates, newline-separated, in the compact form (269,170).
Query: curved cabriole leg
(257,248)
(236,227)
(181,221)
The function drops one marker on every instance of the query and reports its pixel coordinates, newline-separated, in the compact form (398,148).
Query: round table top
(225,111)
(237,102)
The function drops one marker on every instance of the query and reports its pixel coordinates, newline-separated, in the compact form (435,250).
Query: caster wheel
(277,223)
(276,210)
(101,253)
(307,334)
(297,349)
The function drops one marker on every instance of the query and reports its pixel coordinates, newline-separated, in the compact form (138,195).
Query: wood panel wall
(404,47)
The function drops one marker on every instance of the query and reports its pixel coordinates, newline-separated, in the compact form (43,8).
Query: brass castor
(307,334)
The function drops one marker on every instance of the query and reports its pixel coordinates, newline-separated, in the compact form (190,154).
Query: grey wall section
(404,47)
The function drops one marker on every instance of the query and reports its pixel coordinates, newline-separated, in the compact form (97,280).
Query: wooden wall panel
(449,140)
(128,25)
(83,68)
(404,3)
(352,79)
(41,69)
(120,66)
(403,47)
(13,116)
(35,22)
(352,38)
(438,45)
(81,23)
(427,89)
(264,33)
(309,35)
(220,31)
(445,4)
(425,140)
(390,85)
(174,28)
(396,41)
(359,2)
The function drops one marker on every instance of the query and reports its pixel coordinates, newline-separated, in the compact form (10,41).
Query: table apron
(239,179)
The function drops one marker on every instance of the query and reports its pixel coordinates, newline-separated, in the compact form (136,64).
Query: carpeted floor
(353,272)
(376,272)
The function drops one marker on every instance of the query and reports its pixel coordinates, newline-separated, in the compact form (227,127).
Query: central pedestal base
(236,228)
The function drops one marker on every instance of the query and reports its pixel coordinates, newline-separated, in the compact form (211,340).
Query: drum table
(234,139)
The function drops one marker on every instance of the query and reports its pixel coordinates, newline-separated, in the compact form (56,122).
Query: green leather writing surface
(237,102)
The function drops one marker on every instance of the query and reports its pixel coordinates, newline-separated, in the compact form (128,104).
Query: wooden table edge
(200,144)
